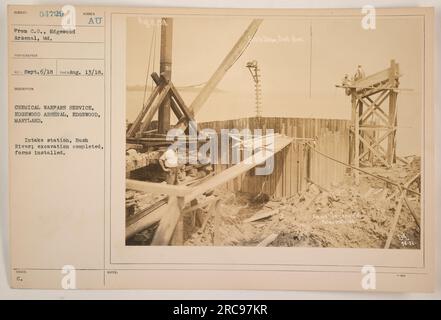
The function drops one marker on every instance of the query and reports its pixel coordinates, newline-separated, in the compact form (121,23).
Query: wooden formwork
(296,164)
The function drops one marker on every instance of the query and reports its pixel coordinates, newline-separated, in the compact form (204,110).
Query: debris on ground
(343,215)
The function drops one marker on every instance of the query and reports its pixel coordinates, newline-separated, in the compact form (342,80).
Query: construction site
(336,183)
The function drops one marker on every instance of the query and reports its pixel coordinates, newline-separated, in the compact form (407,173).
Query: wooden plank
(225,65)
(168,223)
(177,238)
(146,221)
(262,215)
(300,154)
(335,142)
(391,143)
(142,213)
(375,152)
(278,180)
(289,165)
(325,162)
(136,124)
(373,79)
(378,141)
(285,158)
(158,80)
(238,169)
(398,209)
(283,169)
(154,107)
(216,212)
(373,104)
(274,174)
(412,212)
(356,105)
(280,161)
(202,204)
(158,188)
(268,240)
(181,103)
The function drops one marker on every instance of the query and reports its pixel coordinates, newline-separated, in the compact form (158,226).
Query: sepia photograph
(254,149)
(274,132)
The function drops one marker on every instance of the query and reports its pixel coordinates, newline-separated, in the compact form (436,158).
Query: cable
(154,55)
(191,85)
(365,172)
(148,65)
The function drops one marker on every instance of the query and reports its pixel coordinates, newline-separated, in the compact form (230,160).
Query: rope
(192,85)
(152,45)
(400,186)
(154,55)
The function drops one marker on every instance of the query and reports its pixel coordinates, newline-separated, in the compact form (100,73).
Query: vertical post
(392,126)
(165,68)
(391,143)
(373,138)
(394,156)
(360,116)
(356,116)
(352,134)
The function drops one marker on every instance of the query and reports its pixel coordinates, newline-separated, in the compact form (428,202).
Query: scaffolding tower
(374,116)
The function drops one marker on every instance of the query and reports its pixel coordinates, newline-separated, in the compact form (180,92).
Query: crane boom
(226,64)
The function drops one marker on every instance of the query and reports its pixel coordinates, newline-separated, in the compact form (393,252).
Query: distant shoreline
(184,88)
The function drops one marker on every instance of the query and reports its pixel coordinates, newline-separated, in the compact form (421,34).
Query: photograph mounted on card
(226,144)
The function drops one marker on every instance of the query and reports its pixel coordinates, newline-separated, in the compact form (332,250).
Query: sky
(301,61)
